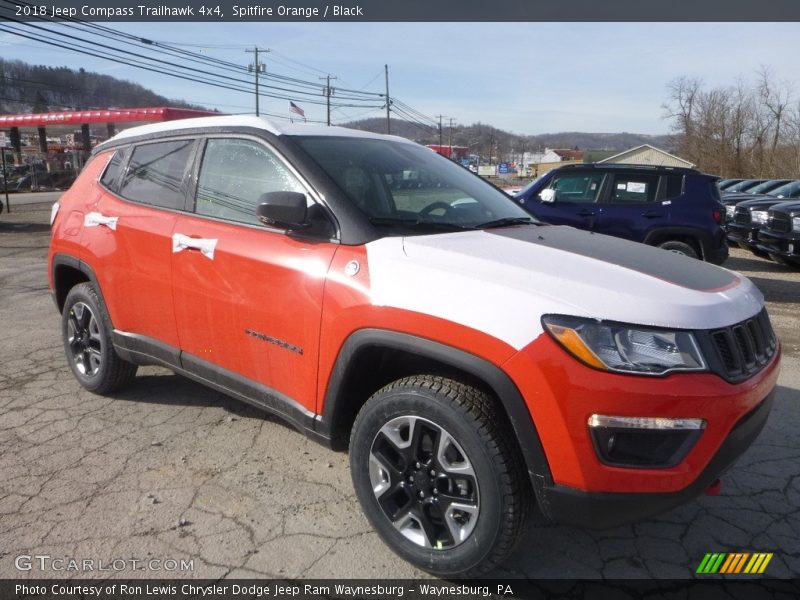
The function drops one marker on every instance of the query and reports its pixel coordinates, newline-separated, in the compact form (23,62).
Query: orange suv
(362,287)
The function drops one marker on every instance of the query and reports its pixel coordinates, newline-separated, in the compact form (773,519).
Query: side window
(673,186)
(577,187)
(155,174)
(111,174)
(635,188)
(233,176)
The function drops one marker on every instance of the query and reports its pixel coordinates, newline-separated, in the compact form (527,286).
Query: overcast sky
(523,77)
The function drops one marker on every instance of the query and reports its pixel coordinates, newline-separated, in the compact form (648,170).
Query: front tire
(86,330)
(436,472)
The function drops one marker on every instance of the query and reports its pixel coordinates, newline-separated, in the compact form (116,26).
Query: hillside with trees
(487,140)
(37,88)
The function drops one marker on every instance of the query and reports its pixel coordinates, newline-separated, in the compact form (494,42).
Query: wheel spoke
(460,520)
(433,534)
(94,359)
(450,457)
(409,525)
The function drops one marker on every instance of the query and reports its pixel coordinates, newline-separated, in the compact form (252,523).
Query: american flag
(296,109)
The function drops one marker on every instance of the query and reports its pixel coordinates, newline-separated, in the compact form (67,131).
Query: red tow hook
(714,489)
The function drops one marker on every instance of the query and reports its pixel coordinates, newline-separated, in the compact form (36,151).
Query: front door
(572,201)
(248,299)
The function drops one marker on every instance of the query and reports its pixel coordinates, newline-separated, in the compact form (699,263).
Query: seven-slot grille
(779,222)
(745,348)
(741,216)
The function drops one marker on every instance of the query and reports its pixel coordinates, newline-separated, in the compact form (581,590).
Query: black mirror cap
(284,210)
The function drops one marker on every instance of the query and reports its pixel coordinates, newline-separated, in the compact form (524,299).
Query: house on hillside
(647,155)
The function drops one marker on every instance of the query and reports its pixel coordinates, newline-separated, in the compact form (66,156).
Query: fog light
(643,442)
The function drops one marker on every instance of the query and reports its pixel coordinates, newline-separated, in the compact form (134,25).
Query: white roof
(254,122)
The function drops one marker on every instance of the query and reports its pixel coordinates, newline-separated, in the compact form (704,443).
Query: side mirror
(284,210)
(548,195)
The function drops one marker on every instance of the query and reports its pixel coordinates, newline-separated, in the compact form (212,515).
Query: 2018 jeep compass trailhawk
(363,287)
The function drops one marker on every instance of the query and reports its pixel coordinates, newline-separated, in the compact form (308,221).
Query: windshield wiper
(506,221)
(406,222)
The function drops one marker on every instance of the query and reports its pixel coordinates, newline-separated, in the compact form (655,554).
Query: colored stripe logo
(734,563)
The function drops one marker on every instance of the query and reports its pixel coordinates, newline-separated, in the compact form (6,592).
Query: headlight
(759,216)
(796,223)
(729,210)
(626,348)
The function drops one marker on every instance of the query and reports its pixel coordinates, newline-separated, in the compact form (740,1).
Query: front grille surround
(779,222)
(741,350)
(741,216)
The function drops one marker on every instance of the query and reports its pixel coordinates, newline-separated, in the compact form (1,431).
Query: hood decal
(667,266)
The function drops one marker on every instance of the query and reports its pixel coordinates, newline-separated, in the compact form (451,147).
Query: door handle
(182,242)
(652,214)
(586,213)
(93,219)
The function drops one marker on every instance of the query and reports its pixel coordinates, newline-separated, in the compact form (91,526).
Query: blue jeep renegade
(673,208)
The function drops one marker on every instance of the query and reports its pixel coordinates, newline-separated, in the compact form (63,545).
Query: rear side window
(637,188)
(577,187)
(155,174)
(673,186)
(233,176)
(111,174)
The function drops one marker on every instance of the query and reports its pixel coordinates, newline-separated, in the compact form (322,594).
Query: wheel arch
(696,238)
(372,358)
(67,272)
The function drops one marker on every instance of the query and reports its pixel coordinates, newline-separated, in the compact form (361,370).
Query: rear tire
(86,331)
(679,248)
(437,474)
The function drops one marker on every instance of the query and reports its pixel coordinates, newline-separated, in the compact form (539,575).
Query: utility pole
(328,93)
(257,67)
(388,120)
(450,139)
(440,129)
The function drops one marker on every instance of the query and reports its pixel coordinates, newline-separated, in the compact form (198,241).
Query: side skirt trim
(143,350)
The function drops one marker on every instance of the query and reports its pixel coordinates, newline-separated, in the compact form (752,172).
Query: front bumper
(785,245)
(561,394)
(743,235)
(598,510)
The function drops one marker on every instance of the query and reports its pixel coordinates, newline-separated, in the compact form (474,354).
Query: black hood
(761,203)
(791,207)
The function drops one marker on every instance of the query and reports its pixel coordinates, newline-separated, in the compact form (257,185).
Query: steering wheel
(435,206)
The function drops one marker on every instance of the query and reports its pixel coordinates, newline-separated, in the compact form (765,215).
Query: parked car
(743,186)
(749,217)
(673,208)
(780,237)
(731,200)
(478,361)
(724,184)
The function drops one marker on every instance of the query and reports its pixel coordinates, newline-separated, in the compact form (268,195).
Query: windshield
(410,187)
(790,190)
(763,188)
(745,185)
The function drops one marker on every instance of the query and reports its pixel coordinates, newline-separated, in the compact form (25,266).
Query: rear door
(636,202)
(575,195)
(248,299)
(129,233)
